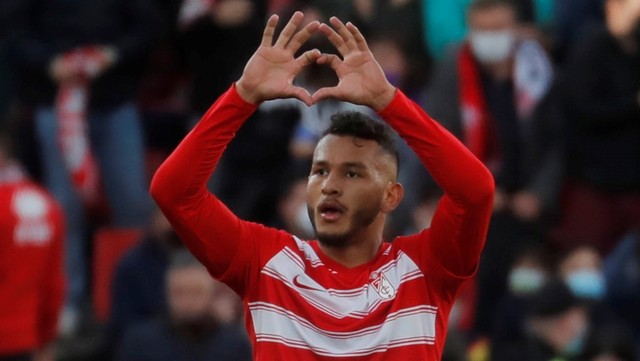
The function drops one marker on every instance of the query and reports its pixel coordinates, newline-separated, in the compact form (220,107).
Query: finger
(267,36)
(301,94)
(361,42)
(332,60)
(324,93)
(346,35)
(302,36)
(335,39)
(289,29)
(308,57)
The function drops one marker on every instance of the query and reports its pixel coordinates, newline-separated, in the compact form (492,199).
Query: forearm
(461,220)
(179,185)
(458,172)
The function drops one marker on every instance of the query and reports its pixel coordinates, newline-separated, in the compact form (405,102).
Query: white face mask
(491,46)
(525,280)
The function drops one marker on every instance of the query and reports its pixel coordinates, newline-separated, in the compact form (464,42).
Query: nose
(331,185)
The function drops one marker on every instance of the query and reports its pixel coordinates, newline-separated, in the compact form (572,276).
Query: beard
(361,219)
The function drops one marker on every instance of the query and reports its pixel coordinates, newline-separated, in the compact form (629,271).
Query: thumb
(301,94)
(327,92)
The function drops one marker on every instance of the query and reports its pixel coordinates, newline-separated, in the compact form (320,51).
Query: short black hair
(359,125)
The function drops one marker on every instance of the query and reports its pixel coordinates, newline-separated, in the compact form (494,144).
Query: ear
(392,197)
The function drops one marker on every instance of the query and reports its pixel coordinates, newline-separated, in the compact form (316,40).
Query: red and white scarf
(532,78)
(477,122)
(73,138)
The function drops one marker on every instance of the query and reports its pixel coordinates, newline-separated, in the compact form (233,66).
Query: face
(190,294)
(350,188)
(584,258)
(492,32)
(497,18)
(622,16)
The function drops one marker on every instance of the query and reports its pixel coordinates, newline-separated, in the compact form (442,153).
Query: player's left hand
(361,79)
(270,72)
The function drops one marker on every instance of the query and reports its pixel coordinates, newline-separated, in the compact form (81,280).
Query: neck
(500,71)
(352,255)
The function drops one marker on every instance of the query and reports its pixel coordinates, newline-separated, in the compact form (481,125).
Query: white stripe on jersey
(411,326)
(288,267)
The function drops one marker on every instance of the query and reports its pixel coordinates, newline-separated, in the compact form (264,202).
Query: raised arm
(210,231)
(459,227)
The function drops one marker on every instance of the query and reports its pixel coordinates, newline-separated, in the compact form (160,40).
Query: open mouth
(330,211)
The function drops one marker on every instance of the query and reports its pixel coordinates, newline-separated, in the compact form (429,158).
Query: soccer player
(348,295)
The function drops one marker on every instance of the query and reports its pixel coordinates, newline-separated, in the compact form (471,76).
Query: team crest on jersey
(381,284)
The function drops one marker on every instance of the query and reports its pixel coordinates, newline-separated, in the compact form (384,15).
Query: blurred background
(94,95)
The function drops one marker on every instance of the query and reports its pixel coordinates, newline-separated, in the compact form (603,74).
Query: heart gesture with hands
(361,79)
(270,72)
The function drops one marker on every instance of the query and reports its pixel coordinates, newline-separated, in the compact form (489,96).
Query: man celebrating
(348,295)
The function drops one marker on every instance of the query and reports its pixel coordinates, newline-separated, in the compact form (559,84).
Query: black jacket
(46,28)
(602,85)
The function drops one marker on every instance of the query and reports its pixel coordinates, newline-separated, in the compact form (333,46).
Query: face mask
(588,284)
(525,280)
(491,46)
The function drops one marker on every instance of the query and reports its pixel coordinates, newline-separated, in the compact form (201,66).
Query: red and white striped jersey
(302,305)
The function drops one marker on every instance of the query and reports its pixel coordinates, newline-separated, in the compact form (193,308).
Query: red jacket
(31,268)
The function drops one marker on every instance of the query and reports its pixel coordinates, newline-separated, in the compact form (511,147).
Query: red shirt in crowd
(31,264)
(302,305)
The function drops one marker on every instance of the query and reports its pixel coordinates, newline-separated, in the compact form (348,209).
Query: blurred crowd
(95,94)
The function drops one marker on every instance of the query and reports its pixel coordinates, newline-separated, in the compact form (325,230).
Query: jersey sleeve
(229,247)
(453,243)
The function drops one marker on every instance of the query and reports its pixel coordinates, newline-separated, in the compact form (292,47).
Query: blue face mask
(587,284)
(525,280)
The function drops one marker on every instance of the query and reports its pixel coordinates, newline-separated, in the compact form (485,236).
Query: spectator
(79,64)
(572,19)
(198,326)
(293,214)
(581,269)
(495,93)
(602,90)
(610,344)
(558,325)
(138,289)
(622,272)
(31,281)
(444,23)
(234,24)
(528,274)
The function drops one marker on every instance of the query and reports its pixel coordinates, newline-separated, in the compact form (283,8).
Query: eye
(319,171)
(352,174)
